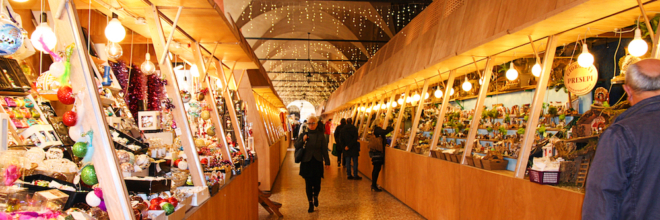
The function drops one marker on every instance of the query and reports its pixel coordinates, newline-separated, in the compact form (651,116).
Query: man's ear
(629,91)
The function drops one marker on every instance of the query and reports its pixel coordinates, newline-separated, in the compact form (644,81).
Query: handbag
(335,152)
(300,149)
(377,156)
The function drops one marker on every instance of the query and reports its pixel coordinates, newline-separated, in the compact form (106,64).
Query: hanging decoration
(121,72)
(107,80)
(11,35)
(155,92)
(64,78)
(70,118)
(65,95)
(43,38)
(135,92)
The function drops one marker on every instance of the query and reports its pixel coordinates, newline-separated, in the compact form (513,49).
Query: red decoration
(173,201)
(70,118)
(156,201)
(154,207)
(65,95)
(204,161)
(176,162)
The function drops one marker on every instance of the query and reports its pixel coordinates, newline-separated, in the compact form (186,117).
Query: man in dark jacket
(340,147)
(622,182)
(349,138)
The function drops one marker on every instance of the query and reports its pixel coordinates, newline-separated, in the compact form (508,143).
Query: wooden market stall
(447,51)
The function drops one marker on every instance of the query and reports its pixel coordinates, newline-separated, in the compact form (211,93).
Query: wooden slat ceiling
(480,30)
(201,20)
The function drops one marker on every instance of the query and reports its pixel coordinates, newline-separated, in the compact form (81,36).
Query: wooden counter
(439,189)
(236,200)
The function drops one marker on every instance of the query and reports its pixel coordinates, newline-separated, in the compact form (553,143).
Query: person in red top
(328,125)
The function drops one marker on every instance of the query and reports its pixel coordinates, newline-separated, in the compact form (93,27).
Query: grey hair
(639,81)
(316,119)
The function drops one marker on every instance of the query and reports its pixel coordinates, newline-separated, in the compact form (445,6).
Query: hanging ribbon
(64,79)
(90,148)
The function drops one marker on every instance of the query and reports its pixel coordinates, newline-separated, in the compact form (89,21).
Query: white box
(200,195)
(42,136)
(179,214)
(148,120)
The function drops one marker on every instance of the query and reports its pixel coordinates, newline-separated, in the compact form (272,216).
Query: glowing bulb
(451,93)
(536,70)
(637,46)
(467,86)
(147,66)
(114,50)
(409,99)
(437,93)
(115,32)
(481,81)
(394,104)
(512,73)
(363,109)
(400,101)
(194,71)
(585,59)
(426,96)
(416,97)
(45,33)
(369,109)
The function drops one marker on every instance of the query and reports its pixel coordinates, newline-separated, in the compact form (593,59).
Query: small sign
(580,80)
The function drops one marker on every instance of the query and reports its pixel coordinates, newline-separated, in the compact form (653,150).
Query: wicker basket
(469,160)
(544,177)
(454,158)
(477,162)
(441,155)
(497,164)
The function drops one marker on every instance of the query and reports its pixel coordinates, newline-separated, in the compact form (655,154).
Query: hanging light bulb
(401,99)
(638,46)
(394,104)
(452,92)
(409,99)
(194,71)
(481,81)
(585,59)
(45,33)
(438,93)
(426,96)
(536,70)
(512,73)
(147,66)
(114,50)
(369,109)
(416,97)
(467,86)
(115,32)
(363,108)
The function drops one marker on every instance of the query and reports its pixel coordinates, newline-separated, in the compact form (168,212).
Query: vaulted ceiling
(308,48)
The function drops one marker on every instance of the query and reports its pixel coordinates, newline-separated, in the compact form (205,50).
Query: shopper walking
(622,182)
(377,153)
(328,126)
(349,138)
(311,166)
(340,146)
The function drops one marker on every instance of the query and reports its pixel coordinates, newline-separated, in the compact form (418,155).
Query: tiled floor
(339,198)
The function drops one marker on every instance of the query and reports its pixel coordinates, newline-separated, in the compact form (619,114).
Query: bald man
(624,179)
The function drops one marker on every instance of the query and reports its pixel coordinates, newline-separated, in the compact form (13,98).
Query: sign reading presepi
(580,80)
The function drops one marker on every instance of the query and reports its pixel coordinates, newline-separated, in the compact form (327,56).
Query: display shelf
(582,139)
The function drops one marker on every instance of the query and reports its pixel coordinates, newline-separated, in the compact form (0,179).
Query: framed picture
(148,120)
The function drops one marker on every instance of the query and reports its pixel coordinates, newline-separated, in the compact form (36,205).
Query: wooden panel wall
(237,200)
(438,189)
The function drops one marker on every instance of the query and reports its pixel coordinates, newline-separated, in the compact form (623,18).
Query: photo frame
(148,120)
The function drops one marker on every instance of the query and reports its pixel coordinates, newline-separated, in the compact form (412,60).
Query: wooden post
(398,119)
(418,114)
(646,20)
(365,121)
(443,109)
(83,82)
(172,88)
(389,110)
(356,113)
(536,108)
(210,100)
(231,109)
(371,124)
(478,108)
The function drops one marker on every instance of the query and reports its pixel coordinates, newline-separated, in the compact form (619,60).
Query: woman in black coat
(311,167)
(378,163)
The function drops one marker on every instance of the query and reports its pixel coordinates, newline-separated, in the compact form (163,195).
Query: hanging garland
(136,91)
(155,92)
(121,72)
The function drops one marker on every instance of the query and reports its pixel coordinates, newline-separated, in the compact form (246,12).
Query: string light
(585,59)
(512,73)
(638,46)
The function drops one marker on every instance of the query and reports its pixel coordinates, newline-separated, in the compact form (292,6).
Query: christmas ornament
(98,192)
(107,80)
(200,97)
(88,175)
(206,115)
(200,142)
(102,206)
(65,95)
(56,69)
(74,133)
(210,131)
(167,207)
(185,96)
(154,207)
(70,118)
(80,149)
(156,201)
(92,199)
(176,162)
(174,201)
(183,165)
(12,37)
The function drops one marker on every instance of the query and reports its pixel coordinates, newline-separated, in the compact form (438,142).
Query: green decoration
(562,117)
(167,207)
(88,175)
(80,149)
(606,104)
(502,130)
(521,131)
